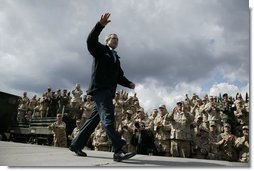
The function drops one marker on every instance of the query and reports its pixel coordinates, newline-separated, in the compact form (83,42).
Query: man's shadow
(160,163)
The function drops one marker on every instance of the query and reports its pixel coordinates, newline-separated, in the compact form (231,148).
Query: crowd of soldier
(208,128)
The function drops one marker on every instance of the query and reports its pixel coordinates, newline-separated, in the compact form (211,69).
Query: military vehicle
(8,112)
(35,131)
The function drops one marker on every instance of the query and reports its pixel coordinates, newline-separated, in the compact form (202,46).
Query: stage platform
(19,155)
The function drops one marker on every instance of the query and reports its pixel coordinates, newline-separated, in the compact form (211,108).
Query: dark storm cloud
(175,45)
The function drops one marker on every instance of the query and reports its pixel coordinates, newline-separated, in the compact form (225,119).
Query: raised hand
(105,19)
(132,86)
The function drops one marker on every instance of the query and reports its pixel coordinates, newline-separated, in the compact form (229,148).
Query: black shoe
(122,156)
(78,151)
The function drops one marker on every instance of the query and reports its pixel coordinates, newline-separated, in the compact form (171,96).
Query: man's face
(78,124)
(59,117)
(161,109)
(246,132)
(141,114)
(180,105)
(225,98)
(113,41)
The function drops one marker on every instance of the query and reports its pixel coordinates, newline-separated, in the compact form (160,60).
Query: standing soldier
(228,111)
(58,97)
(43,105)
(180,132)
(58,128)
(125,129)
(213,139)
(201,140)
(212,111)
(242,145)
(53,105)
(194,99)
(23,106)
(162,132)
(153,114)
(241,115)
(152,117)
(33,103)
(227,144)
(143,137)
(48,93)
(118,104)
(87,108)
(64,101)
(198,109)
(77,99)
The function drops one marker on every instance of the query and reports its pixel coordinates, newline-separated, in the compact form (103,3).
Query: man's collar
(110,48)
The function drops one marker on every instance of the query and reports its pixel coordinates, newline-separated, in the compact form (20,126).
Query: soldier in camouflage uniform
(154,114)
(194,99)
(58,128)
(152,117)
(22,108)
(143,137)
(64,102)
(227,110)
(213,139)
(198,110)
(162,132)
(127,103)
(242,145)
(201,143)
(44,105)
(226,144)
(212,111)
(77,99)
(118,104)
(180,131)
(75,130)
(100,139)
(241,115)
(87,108)
(125,129)
(36,112)
(33,103)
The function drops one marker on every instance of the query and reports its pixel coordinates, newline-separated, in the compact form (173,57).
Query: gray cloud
(171,41)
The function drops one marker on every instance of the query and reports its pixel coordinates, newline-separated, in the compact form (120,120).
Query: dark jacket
(106,73)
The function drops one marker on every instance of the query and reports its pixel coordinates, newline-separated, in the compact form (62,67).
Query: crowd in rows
(206,128)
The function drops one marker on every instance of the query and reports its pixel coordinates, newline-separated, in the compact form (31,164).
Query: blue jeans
(103,111)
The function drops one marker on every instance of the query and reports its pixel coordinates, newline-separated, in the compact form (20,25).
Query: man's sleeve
(122,80)
(93,43)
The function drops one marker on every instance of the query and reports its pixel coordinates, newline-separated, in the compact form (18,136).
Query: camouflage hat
(162,106)
(212,123)
(245,127)
(227,125)
(140,110)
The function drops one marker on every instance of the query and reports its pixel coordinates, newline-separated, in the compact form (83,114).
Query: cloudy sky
(169,48)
